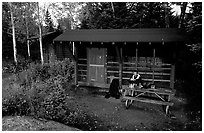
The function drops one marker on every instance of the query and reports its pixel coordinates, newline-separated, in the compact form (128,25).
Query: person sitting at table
(136,80)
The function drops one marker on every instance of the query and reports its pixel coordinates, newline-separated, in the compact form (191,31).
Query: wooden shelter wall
(134,57)
(157,70)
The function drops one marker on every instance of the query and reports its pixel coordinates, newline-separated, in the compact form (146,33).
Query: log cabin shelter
(100,54)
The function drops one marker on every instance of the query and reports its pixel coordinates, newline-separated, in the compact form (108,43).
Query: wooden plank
(111,62)
(146,69)
(155,80)
(148,73)
(130,68)
(114,77)
(81,59)
(133,63)
(149,101)
(160,91)
(155,69)
(165,64)
(82,64)
(112,71)
(128,63)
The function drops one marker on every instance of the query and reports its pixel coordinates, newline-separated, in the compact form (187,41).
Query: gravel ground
(140,116)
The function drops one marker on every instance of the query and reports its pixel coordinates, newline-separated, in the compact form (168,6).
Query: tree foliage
(6,32)
(190,65)
(48,22)
(194,29)
(125,15)
(23,13)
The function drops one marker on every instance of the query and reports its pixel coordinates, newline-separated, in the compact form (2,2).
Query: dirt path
(140,116)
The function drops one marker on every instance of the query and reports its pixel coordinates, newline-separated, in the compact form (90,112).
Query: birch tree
(13,33)
(27,30)
(40,35)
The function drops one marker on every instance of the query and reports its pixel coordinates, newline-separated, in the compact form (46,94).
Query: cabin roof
(123,35)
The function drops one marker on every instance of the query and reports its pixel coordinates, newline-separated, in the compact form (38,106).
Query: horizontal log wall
(151,67)
(146,68)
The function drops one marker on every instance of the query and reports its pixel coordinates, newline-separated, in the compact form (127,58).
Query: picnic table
(159,96)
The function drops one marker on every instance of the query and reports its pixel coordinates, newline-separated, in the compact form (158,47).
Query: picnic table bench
(158,96)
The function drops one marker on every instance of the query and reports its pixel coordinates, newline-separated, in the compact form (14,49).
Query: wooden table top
(150,90)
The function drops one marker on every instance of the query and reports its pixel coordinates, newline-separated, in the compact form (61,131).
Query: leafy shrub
(53,105)
(41,94)
(11,67)
(39,90)
(15,102)
(43,72)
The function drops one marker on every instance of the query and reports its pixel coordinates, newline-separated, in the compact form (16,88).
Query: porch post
(136,56)
(172,76)
(153,64)
(120,61)
(121,68)
(76,65)
(73,48)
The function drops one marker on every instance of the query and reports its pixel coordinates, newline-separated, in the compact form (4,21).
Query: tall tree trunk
(40,35)
(27,32)
(13,33)
(28,45)
(183,11)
